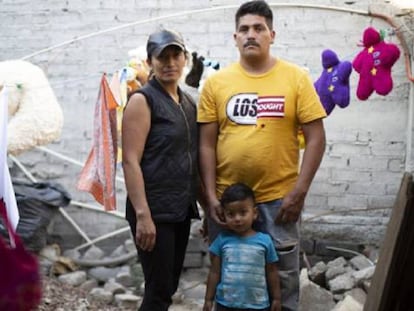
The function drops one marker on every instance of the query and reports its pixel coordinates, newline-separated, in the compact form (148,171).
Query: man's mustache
(251,43)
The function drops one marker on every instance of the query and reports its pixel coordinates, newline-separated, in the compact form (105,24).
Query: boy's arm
(273,284)
(212,281)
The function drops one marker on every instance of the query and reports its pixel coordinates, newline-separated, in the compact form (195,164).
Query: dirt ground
(61,297)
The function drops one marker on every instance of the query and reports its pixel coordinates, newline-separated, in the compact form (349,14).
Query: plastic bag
(37,203)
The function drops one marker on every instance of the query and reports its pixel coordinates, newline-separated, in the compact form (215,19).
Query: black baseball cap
(158,41)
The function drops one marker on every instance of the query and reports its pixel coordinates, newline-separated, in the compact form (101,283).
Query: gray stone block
(193,260)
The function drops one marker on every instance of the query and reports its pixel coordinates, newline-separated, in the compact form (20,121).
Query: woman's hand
(145,233)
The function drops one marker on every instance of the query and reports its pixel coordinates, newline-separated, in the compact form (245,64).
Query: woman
(159,142)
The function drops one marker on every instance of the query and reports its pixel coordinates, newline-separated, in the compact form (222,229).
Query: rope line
(186,13)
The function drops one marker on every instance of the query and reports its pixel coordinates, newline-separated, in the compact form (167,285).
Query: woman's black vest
(169,161)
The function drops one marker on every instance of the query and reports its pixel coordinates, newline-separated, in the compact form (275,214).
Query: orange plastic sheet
(98,174)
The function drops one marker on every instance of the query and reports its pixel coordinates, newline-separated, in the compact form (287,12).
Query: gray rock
(313,295)
(103,274)
(73,278)
(317,273)
(129,246)
(93,253)
(348,304)
(334,271)
(125,268)
(358,294)
(88,285)
(45,265)
(338,297)
(127,301)
(119,251)
(360,262)
(364,274)
(114,287)
(72,254)
(337,262)
(137,275)
(366,285)
(124,278)
(341,284)
(100,295)
(178,296)
(51,252)
(194,290)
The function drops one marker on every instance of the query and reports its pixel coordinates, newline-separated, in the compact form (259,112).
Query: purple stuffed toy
(374,64)
(333,84)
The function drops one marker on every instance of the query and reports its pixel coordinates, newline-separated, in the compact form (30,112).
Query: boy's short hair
(237,192)
(256,7)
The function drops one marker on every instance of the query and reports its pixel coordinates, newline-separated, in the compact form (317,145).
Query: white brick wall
(365,156)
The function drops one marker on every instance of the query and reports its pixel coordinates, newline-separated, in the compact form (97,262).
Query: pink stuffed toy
(374,64)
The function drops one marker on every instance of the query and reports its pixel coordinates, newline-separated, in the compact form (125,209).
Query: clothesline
(65,83)
(71,160)
(190,13)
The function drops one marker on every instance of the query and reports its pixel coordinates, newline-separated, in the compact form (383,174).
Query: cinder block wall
(367,142)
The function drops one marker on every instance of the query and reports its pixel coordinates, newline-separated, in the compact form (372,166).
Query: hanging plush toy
(35,116)
(194,76)
(374,64)
(333,84)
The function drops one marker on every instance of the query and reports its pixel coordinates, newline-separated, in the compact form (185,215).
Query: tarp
(98,174)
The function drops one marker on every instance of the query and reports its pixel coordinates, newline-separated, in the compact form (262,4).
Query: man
(249,114)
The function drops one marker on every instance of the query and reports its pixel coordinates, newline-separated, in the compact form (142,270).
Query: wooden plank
(403,299)
(390,288)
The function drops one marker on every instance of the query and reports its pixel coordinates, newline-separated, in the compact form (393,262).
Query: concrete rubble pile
(333,284)
(109,280)
(338,285)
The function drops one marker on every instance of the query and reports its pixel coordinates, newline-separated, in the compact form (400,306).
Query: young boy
(243,274)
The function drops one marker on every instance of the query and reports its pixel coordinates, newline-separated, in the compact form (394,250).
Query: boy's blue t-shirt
(243,274)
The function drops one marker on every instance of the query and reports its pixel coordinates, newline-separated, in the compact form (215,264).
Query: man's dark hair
(256,7)
(237,192)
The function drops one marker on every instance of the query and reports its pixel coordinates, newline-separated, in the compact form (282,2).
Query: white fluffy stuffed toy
(35,117)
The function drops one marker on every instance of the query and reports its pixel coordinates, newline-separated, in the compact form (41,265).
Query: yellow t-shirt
(258,117)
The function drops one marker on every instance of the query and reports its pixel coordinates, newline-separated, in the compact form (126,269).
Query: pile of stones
(338,285)
(334,284)
(107,280)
